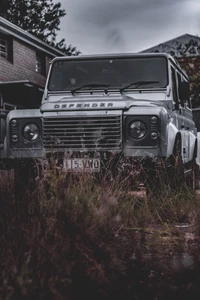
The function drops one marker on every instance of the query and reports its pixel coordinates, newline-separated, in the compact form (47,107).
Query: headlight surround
(30,132)
(137,129)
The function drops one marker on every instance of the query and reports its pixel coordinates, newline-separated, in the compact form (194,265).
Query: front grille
(82,133)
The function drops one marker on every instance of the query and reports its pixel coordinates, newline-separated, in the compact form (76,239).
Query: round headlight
(31,132)
(137,130)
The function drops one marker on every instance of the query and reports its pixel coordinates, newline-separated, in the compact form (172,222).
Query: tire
(25,174)
(176,175)
(197,175)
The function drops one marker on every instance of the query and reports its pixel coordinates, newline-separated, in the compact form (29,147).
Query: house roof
(29,94)
(184,45)
(11,29)
(10,84)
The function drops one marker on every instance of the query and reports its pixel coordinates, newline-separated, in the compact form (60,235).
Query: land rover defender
(135,107)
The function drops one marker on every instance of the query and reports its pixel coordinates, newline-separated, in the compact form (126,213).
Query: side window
(196,118)
(3,46)
(179,83)
(174,85)
(40,66)
(6,47)
(187,103)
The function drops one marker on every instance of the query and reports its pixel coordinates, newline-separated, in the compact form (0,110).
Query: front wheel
(25,174)
(176,169)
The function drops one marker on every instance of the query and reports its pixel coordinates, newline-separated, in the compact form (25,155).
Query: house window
(40,63)
(3,47)
(6,47)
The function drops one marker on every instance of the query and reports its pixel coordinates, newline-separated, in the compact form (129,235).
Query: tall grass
(79,236)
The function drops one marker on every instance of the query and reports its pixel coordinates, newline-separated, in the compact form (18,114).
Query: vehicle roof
(122,55)
(111,55)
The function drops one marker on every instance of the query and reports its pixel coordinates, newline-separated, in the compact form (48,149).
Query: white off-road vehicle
(131,108)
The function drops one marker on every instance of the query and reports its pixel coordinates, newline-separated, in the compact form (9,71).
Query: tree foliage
(189,59)
(38,17)
(191,65)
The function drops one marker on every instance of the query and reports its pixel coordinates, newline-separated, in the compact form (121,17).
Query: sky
(126,26)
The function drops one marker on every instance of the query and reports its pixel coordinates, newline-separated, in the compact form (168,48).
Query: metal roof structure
(186,45)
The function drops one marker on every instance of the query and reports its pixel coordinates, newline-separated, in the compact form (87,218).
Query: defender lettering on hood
(100,105)
(83,105)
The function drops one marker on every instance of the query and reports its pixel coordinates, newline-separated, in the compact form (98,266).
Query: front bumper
(115,161)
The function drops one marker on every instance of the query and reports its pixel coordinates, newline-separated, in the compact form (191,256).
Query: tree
(192,67)
(38,17)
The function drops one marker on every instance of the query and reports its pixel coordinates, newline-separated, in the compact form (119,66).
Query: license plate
(82,164)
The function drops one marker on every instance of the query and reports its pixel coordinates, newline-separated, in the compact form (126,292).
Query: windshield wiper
(90,86)
(138,84)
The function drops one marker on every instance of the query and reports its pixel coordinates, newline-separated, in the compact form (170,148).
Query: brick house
(24,63)
(23,56)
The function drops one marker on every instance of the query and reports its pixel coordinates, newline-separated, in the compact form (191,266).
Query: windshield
(115,73)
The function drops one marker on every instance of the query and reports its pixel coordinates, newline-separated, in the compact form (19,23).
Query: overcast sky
(106,26)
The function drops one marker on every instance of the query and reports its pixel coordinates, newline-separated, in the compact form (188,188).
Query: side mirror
(184,91)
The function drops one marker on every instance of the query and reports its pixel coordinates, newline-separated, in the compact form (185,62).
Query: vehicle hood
(118,102)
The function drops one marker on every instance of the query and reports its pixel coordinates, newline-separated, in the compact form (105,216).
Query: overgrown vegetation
(77,237)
